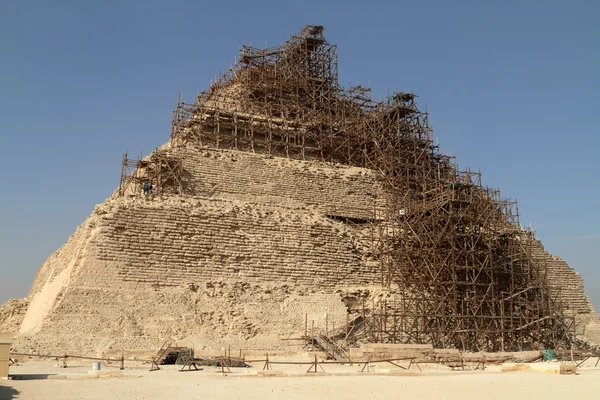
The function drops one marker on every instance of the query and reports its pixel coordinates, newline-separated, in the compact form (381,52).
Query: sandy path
(169,384)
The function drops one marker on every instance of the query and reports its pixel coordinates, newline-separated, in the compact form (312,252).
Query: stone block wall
(565,284)
(242,258)
(214,315)
(250,250)
(182,242)
(338,189)
(11,315)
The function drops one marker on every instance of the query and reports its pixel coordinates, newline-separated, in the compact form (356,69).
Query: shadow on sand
(8,393)
(29,377)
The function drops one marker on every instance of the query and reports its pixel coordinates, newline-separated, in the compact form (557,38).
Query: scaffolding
(454,258)
(164,173)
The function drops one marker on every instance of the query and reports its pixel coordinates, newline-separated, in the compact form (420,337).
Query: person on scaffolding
(146,187)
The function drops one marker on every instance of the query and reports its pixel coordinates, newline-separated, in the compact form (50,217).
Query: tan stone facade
(244,263)
(253,248)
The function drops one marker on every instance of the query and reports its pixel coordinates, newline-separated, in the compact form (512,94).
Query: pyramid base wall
(91,321)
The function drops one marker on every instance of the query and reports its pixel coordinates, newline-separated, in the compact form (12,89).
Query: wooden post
(306,325)
(574,335)
(347,322)
(267,365)
(314,364)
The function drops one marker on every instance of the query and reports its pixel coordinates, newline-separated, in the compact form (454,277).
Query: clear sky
(513,88)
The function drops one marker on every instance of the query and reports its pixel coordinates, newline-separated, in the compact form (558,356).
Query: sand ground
(340,382)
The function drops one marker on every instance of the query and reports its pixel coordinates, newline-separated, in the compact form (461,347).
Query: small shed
(5,344)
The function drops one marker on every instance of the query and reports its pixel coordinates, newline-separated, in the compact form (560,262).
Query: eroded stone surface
(252,250)
(11,315)
(244,263)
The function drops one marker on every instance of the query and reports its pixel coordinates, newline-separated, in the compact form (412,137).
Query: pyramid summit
(283,198)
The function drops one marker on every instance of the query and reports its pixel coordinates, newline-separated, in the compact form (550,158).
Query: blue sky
(511,86)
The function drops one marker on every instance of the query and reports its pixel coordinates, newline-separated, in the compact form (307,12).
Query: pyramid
(285,207)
